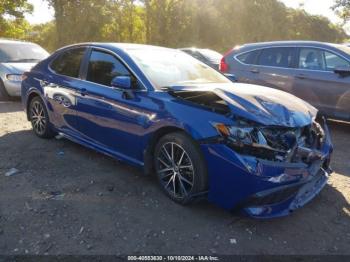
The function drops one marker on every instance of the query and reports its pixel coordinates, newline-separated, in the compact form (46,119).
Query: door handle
(301,76)
(254,71)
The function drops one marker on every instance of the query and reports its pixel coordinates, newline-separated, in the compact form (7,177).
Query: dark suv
(317,72)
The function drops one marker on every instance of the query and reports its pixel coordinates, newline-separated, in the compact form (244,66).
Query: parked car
(318,73)
(207,56)
(16,57)
(237,145)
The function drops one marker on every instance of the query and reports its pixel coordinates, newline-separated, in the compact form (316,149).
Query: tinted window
(311,59)
(249,58)
(318,59)
(104,67)
(277,57)
(333,61)
(68,63)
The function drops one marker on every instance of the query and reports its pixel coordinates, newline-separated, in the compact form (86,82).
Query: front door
(318,84)
(107,117)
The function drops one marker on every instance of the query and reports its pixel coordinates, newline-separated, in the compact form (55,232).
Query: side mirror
(123,82)
(343,71)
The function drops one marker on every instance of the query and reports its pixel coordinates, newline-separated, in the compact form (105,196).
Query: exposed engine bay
(281,144)
(208,100)
(273,143)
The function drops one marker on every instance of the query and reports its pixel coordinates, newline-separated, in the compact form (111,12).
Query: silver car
(16,57)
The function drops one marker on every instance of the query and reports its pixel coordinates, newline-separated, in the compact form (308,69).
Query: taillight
(224,67)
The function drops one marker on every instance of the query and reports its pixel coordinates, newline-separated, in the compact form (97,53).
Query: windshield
(211,55)
(166,68)
(21,53)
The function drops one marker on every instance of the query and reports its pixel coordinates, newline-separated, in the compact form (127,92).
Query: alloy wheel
(38,118)
(175,170)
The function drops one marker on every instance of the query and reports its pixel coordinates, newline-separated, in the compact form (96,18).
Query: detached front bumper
(264,189)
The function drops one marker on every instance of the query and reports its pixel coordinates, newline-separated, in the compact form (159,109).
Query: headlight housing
(241,134)
(249,140)
(14,77)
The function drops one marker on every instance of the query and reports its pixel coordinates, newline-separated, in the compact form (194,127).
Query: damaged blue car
(240,146)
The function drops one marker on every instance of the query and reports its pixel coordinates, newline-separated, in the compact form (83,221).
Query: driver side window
(333,61)
(317,59)
(103,67)
(311,59)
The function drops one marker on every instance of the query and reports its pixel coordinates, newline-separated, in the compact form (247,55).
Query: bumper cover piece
(264,189)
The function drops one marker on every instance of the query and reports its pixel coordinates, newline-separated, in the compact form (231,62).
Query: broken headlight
(241,135)
(250,141)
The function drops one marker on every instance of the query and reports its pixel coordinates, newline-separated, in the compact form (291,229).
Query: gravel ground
(66,199)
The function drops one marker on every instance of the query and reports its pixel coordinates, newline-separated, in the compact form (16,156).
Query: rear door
(275,68)
(317,83)
(244,67)
(61,87)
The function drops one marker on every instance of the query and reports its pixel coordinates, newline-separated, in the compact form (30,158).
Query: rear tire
(3,93)
(39,118)
(180,167)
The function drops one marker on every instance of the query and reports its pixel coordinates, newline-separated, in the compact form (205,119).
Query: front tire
(180,167)
(40,119)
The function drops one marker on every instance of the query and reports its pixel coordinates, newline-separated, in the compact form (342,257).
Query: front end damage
(273,178)
(269,156)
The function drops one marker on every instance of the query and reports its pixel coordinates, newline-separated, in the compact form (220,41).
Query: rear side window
(68,63)
(103,67)
(249,58)
(277,57)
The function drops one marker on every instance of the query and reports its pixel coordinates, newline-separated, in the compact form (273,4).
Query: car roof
(121,46)
(288,43)
(12,41)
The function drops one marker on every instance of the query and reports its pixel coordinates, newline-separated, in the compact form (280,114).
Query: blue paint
(102,118)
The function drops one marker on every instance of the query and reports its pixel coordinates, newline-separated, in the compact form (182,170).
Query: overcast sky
(42,13)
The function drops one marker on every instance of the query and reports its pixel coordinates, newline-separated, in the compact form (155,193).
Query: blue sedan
(239,146)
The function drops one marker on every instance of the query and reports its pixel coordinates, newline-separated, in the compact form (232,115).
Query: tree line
(216,24)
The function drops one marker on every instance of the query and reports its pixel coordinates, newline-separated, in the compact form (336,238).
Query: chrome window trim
(289,68)
(124,64)
(144,89)
(59,54)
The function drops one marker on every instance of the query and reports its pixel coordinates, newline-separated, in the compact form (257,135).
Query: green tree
(80,20)
(44,35)
(342,7)
(12,23)
(216,24)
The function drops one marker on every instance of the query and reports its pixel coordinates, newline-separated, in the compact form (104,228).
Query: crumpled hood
(260,104)
(19,68)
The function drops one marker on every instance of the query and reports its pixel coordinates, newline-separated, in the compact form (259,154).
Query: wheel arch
(152,142)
